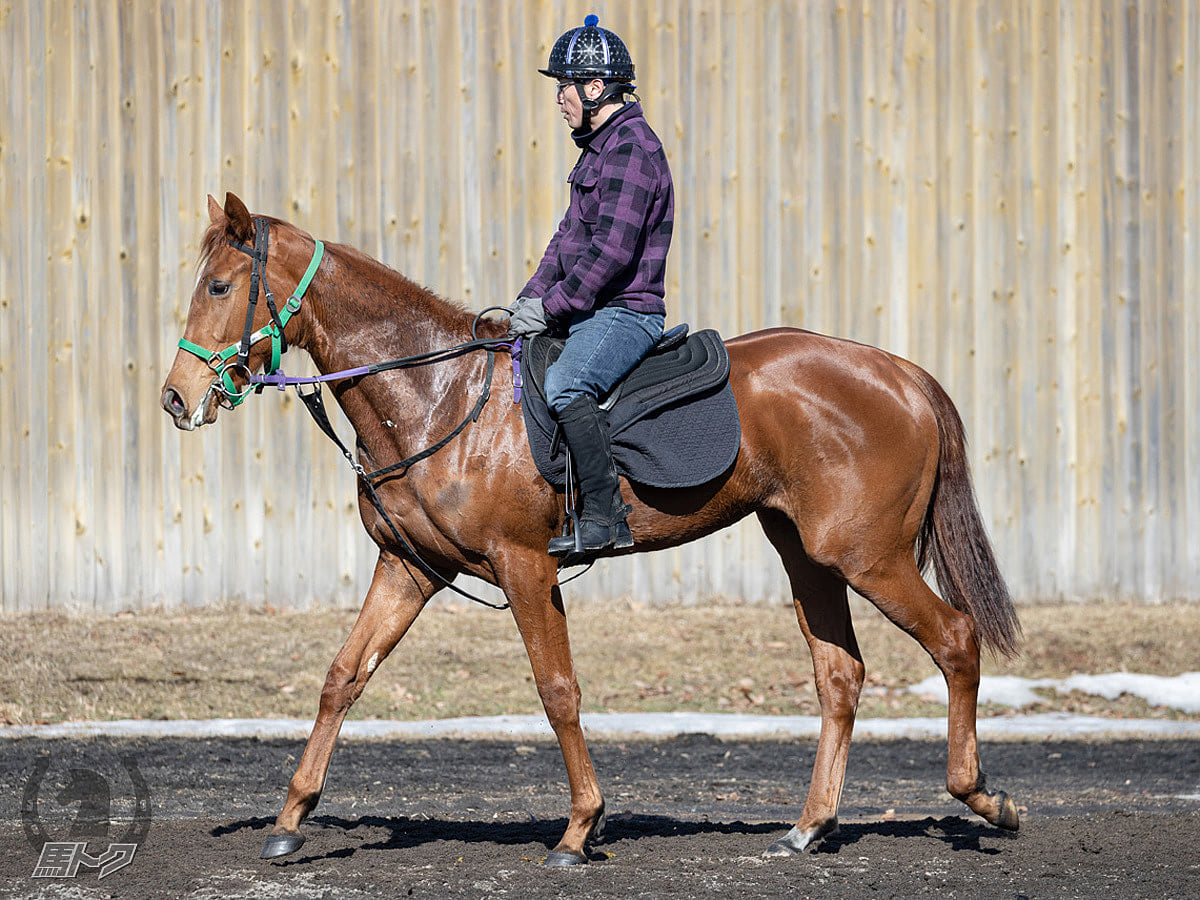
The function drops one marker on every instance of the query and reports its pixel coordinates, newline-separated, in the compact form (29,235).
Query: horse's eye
(218,288)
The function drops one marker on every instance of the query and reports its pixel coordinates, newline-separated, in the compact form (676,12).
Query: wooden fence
(1005,191)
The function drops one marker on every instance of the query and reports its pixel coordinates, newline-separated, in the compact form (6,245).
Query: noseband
(222,362)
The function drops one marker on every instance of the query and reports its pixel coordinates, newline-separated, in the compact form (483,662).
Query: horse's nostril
(172,402)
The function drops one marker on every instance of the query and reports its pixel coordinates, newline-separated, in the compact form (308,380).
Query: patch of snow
(1004,690)
(1180,692)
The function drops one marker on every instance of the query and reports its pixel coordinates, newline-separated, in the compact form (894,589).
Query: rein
(229,395)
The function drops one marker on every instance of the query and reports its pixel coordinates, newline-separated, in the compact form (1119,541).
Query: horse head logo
(91,791)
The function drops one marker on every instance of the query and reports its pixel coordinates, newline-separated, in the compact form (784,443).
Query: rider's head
(594,73)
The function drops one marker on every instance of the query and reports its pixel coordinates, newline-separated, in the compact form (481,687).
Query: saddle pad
(674,424)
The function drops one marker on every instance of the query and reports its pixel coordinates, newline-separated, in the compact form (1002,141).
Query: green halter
(221,361)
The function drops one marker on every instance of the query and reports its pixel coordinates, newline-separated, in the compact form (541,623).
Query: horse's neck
(363,312)
(354,326)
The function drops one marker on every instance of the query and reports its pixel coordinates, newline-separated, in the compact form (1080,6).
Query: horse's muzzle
(176,407)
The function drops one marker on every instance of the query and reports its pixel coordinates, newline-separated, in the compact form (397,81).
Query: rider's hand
(528,317)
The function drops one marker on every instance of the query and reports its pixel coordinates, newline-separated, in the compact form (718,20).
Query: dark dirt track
(688,817)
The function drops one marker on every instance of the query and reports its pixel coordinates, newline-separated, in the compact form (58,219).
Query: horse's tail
(953,534)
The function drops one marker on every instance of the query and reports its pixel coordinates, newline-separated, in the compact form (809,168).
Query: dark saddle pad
(673,420)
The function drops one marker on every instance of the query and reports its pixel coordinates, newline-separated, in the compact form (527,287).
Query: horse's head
(227,332)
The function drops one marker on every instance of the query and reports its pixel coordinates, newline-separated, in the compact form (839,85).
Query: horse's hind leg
(898,590)
(397,594)
(819,595)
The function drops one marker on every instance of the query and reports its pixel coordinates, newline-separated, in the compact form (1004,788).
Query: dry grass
(461,661)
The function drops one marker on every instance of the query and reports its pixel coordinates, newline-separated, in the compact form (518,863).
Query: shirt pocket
(584,194)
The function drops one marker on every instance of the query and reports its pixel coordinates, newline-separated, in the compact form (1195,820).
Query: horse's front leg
(397,595)
(538,609)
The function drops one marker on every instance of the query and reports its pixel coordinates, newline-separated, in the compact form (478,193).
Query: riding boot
(602,524)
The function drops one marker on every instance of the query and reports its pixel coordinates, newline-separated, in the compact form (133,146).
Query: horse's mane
(399,287)
(447,313)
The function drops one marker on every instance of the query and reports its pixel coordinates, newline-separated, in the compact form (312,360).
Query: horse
(853,460)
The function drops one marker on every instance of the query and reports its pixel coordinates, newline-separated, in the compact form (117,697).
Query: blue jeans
(603,345)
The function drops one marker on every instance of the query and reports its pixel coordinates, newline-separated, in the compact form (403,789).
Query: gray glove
(528,317)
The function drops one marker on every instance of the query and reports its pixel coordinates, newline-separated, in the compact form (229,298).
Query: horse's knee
(839,687)
(560,698)
(341,688)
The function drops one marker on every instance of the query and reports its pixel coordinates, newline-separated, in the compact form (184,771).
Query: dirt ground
(688,817)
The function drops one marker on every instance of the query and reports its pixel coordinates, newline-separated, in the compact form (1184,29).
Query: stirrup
(571,546)
(587,539)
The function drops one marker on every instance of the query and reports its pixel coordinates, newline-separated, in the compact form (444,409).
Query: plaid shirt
(611,246)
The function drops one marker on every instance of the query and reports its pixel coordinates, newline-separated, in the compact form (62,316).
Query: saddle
(673,420)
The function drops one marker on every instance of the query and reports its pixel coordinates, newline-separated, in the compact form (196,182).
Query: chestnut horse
(852,459)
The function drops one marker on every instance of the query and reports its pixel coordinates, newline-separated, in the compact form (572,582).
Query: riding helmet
(589,52)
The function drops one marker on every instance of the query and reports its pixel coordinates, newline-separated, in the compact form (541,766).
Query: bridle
(225,363)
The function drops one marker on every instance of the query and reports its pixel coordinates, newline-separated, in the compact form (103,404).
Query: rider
(601,278)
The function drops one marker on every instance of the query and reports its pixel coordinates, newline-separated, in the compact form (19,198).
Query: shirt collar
(596,138)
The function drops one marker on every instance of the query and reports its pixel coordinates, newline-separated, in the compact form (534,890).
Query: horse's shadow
(405,833)
(959,833)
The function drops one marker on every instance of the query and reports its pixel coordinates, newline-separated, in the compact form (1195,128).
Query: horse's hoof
(1008,819)
(781,847)
(561,858)
(281,845)
(796,840)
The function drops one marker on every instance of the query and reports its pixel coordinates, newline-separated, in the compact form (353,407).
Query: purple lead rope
(281,380)
(518,382)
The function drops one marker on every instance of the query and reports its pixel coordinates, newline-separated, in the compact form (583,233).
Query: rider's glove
(528,317)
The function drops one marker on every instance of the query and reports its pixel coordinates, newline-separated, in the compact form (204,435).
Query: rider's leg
(602,347)
(602,524)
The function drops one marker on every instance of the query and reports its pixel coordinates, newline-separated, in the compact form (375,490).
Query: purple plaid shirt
(611,246)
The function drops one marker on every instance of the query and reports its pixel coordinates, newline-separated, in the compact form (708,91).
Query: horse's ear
(216,215)
(240,226)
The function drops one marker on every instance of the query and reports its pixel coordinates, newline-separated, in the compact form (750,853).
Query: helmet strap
(612,91)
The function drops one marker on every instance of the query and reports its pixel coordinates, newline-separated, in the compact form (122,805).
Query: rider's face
(568,101)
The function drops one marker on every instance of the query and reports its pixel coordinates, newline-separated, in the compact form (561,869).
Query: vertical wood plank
(1188,68)
(91,427)
(1065,252)
(1152,137)
(23,304)
(107,345)
(60,339)
(922,106)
